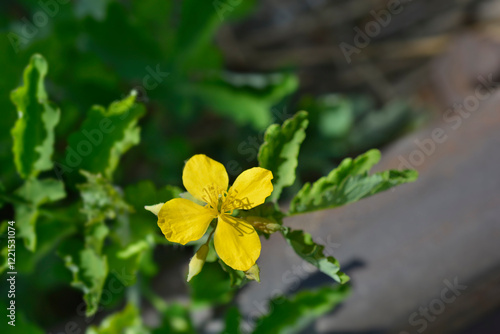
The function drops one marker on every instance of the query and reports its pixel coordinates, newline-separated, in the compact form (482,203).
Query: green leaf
(280,151)
(127,321)
(303,244)
(211,286)
(128,60)
(292,315)
(95,235)
(11,69)
(52,227)
(176,320)
(237,278)
(139,232)
(233,320)
(105,136)
(122,253)
(33,133)
(86,260)
(135,232)
(336,117)
(381,126)
(101,200)
(199,21)
(94,270)
(197,28)
(244,104)
(349,182)
(35,193)
(89,269)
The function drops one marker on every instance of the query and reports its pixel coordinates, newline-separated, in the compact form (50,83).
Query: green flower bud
(253,273)
(197,262)
(265,225)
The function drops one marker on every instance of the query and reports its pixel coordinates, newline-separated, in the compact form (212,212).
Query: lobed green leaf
(303,244)
(87,265)
(244,104)
(88,260)
(349,182)
(292,315)
(136,234)
(127,321)
(101,200)
(33,132)
(105,135)
(280,151)
(33,194)
(52,227)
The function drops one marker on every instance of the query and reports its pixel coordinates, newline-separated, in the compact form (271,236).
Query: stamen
(210,196)
(233,202)
(224,202)
(215,197)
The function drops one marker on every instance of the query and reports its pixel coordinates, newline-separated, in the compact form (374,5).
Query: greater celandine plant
(235,215)
(105,239)
(235,240)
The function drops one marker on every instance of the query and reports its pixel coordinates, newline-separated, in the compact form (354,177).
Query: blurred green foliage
(349,125)
(78,199)
(100,51)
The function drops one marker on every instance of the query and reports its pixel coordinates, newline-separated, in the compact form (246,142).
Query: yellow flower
(235,240)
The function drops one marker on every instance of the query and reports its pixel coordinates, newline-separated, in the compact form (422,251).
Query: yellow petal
(236,242)
(183,221)
(205,178)
(250,189)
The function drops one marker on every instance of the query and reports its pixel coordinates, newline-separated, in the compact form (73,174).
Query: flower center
(218,199)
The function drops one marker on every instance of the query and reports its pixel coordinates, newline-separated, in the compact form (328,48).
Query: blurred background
(417,79)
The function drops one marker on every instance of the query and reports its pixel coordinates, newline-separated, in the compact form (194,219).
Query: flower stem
(210,236)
